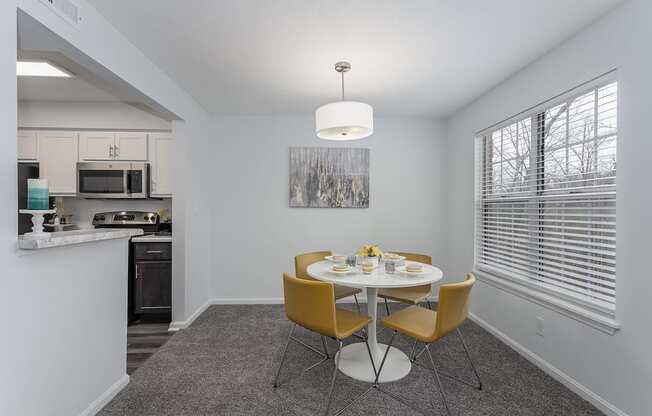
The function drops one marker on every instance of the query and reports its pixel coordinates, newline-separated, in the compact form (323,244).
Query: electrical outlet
(539,326)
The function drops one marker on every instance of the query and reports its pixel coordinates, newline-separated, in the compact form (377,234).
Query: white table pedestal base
(355,363)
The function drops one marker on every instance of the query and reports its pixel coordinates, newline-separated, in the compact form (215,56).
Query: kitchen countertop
(66,238)
(152,239)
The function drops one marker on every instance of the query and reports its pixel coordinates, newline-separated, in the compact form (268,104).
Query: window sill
(594,319)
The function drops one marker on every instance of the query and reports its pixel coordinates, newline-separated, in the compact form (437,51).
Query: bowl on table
(413,269)
(392,257)
(336,258)
(340,268)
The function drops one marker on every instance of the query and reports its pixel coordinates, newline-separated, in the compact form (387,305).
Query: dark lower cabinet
(152,278)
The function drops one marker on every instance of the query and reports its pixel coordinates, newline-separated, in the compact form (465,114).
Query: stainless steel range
(148,221)
(150,263)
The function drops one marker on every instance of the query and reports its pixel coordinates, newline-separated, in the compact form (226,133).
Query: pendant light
(344,120)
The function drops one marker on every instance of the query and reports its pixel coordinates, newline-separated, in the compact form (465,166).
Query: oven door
(112,180)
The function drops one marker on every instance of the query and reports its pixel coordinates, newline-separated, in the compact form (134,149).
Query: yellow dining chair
(428,326)
(301,263)
(409,295)
(311,305)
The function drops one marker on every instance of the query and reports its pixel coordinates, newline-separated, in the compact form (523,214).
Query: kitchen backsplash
(82,210)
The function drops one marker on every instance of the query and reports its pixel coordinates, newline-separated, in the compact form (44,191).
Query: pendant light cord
(342,85)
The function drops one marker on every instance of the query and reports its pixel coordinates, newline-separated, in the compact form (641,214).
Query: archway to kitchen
(115,108)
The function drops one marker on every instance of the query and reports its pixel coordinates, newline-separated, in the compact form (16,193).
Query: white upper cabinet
(161,149)
(130,146)
(98,145)
(58,154)
(27,145)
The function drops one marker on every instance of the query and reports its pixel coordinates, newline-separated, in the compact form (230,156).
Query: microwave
(116,180)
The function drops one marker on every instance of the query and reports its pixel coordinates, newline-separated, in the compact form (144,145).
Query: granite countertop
(152,239)
(66,238)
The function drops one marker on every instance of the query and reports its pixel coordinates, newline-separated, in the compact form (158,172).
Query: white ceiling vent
(64,8)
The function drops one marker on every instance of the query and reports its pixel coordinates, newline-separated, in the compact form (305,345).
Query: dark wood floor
(143,339)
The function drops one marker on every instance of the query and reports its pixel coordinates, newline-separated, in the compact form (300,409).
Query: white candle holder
(37,222)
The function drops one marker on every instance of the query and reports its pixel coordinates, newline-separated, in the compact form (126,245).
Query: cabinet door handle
(116,150)
(137,272)
(110,150)
(154,251)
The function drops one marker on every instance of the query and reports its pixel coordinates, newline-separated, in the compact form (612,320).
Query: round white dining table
(354,360)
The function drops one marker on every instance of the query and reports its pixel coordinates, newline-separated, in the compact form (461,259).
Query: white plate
(403,270)
(395,259)
(350,270)
(341,273)
(330,258)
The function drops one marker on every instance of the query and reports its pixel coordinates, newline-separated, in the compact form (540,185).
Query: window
(546,198)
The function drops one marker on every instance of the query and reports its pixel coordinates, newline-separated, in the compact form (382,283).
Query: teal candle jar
(38,194)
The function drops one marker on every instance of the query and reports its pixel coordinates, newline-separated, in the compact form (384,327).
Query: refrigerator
(26,170)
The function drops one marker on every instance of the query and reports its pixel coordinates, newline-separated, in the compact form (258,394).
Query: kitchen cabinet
(152,278)
(98,145)
(161,149)
(58,154)
(130,146)
(27,145)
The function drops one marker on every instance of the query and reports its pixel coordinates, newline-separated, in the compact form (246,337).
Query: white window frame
(586,311)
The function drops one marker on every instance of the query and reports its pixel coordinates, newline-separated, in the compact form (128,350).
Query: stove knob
(146,217)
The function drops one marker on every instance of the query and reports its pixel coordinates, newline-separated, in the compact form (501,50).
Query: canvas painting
(329,177)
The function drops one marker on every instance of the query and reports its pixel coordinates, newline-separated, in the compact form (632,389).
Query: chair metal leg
(323,343)
(452,377)
(466,350)
(357,305)
(429,305)
(355,399)
(310,347)
(425,347)
(441,388)
(371,358)
(414,350)
(382,363)
(335,371)
(324,356)
(285,350)
(339,412)
(387,306)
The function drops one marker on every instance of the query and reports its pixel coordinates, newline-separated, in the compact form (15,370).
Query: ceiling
(423,58)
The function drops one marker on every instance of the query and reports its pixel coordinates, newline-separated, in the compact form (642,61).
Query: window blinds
(546,197)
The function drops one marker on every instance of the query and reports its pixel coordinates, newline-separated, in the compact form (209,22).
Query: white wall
(64,310)
(618,368)
(55,303)
(64,343)
(256,235)
(87,115)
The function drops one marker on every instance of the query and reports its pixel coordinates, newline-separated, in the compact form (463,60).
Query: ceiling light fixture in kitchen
(39,69)
(344,120)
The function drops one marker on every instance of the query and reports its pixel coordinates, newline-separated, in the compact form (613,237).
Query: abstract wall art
(329,177)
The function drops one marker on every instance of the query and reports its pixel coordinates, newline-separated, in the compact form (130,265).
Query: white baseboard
(247,301)
(574,385)
(177,325)
(106,397)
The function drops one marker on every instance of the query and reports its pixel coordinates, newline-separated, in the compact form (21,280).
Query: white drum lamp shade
(344,120)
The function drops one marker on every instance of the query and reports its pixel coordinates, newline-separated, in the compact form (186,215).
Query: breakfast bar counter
(66,238)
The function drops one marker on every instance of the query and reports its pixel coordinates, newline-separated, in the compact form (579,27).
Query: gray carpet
(225,362)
